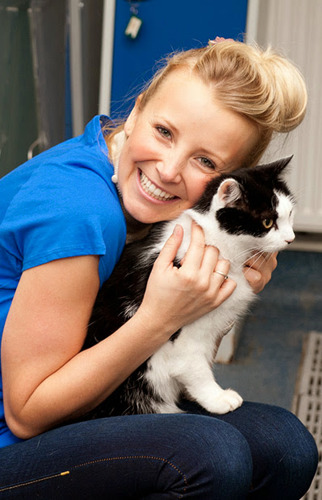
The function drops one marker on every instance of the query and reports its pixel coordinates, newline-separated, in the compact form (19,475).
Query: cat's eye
(267,223)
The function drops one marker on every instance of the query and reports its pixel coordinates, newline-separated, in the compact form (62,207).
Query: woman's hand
(47,378)
(177,296)
(258,270)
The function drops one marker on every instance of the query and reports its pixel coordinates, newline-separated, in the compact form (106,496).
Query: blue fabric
(257,452)
(60,204)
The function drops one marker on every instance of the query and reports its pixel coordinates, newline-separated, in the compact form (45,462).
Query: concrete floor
(268,356)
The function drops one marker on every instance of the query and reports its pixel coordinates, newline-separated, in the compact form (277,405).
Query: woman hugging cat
(65,216)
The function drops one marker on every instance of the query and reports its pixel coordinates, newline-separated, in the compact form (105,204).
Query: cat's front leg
(225,401)
(202,388)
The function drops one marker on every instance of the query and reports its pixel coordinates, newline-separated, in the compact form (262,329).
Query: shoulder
(73,177)
(63,203)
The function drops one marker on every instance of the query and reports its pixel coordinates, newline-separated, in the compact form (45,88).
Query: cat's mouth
(154,191)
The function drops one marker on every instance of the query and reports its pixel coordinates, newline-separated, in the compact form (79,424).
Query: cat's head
(255,203)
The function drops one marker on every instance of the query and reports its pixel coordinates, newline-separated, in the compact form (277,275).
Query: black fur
(127,284)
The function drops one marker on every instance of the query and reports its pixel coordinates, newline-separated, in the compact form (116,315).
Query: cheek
(129,155)
(141,142)
(274,241)
(123,170)
(196,186)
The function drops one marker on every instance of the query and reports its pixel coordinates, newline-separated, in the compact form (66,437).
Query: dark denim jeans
(256,452)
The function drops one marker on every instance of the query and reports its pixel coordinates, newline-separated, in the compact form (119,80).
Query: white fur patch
(170,368)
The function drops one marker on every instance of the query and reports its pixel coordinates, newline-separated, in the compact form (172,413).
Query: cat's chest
(214,323)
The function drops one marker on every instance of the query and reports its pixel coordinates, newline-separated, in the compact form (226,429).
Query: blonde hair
(261,85)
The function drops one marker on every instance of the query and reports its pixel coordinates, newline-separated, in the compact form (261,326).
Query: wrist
(153,326)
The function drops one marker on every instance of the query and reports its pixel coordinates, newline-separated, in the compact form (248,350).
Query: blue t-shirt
(62,203)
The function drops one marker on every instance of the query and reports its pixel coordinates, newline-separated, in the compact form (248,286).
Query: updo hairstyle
(260,85)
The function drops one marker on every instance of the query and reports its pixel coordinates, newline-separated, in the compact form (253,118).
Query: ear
(131,119)
(229,192)
(278,166)
(284,162)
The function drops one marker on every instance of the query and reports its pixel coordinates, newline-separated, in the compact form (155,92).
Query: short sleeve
(64,212)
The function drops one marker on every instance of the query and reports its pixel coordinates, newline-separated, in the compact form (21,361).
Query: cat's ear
(278,166)
(230,192)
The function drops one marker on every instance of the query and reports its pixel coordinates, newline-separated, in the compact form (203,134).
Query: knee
(287,460)
(295,443)
(219,457)
(299,451)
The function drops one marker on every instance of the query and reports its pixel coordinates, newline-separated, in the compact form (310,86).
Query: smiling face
(181,139)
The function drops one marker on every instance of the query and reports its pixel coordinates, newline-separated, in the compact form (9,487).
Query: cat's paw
(227,400)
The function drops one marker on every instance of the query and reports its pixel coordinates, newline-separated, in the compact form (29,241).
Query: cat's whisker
(243,256)
(248,255)
(257,256)
(157,385)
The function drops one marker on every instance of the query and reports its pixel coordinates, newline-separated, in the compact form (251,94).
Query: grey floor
(269,351)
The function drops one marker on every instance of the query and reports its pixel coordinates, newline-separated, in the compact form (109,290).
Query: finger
(226,289)
(196,250)
(220,273)
(272,261)
(210,260)
(268,260)
(223,266)
(253,277)
(171,247)
(255,262)
(259,273)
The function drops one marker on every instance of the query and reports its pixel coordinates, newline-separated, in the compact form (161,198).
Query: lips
(154,191)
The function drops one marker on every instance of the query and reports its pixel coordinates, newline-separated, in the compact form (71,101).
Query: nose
(290,238)
(171,169)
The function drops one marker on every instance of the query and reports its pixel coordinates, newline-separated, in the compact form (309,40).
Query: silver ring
(222,274)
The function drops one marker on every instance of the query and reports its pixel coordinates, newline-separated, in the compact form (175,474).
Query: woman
(64,226)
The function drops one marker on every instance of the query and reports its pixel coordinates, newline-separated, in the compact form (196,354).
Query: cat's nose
(290,239)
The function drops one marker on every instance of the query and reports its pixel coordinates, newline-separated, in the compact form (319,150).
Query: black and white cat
(247,212)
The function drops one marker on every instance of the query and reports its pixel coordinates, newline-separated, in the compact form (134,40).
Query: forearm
(47,379)
(86,379)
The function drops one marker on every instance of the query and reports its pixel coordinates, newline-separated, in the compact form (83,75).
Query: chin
(141,215)
(147,216)
(148,219)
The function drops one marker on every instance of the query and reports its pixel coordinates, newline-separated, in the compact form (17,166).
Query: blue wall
(168,25)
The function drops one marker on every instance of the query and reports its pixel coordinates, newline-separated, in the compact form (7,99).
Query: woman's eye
(164,132)
(267,223)
(207,163)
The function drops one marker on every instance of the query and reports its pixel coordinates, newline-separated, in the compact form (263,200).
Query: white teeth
(153,190)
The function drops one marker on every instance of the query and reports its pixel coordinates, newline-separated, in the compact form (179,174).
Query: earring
(117,146)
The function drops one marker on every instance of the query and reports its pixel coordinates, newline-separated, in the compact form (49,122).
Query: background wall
(294,27)
(18,120)
(38,91)
(167,26)
(48,91)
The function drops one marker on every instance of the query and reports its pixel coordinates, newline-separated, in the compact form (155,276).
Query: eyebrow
(167,122)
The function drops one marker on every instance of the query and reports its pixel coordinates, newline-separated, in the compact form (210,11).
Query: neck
(236,251)
(135,230)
